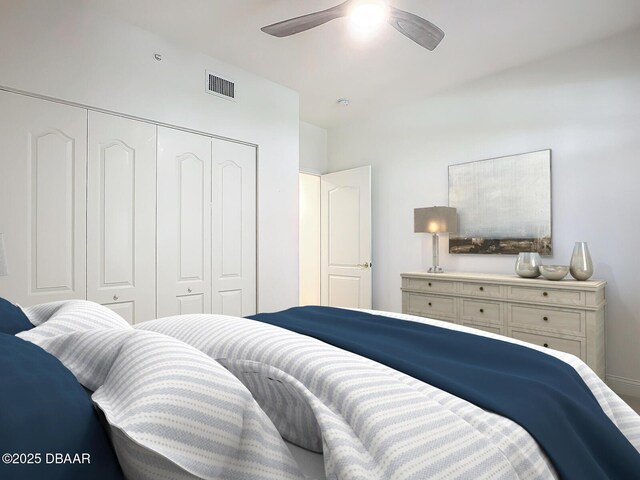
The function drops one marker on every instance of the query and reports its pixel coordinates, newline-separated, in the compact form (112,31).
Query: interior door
(184,223)
(233,228)
(121,226)
(43,194)
(346,238)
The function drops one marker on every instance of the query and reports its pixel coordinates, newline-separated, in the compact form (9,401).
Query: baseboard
(624,386)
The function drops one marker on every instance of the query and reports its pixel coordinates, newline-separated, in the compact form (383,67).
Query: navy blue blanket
(12,318)
(49,428)
(544,395)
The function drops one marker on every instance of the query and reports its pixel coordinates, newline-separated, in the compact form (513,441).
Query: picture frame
(503,204)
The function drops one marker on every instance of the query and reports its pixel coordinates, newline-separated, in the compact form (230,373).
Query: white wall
(585,106)
(61,49)
(313,149)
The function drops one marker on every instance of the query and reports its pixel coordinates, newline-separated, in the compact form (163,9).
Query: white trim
(624,386)
(124,115)
(305,172)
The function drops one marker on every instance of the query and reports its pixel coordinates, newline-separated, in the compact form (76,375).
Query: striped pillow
(193,418)
(57,318)
(174,413)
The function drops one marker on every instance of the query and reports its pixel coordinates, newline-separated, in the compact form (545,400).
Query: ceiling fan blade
(421,31)
(306,22)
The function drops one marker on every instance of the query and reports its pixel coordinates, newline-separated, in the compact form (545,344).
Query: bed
(210,396)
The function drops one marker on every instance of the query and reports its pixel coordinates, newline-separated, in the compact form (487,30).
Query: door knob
(365,265)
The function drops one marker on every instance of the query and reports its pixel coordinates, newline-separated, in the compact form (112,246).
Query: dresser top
(569,283)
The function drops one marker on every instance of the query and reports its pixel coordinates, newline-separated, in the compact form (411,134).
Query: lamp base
(435,270)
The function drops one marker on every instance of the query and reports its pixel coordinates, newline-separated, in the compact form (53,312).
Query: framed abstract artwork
(503,204)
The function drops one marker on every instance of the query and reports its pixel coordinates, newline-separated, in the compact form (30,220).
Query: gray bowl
(554,272)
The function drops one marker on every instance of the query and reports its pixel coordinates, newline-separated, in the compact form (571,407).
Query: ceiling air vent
(222,87)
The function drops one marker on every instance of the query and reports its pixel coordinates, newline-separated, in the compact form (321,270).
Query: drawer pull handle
(115,298)
(482,289)
(545,294)
(429,303)
(546,345)
(482,310)
(546,319)
(429,283)
(189,290)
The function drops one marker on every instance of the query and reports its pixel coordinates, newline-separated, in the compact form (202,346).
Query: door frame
(319,213)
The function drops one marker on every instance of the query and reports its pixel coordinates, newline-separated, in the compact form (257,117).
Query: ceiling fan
(365,13)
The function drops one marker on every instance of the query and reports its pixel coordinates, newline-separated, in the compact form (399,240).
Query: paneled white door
(233,228)
(42,192)
(121,216)
(346,238)
(184,223)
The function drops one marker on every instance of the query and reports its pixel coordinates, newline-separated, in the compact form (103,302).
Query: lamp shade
(435,220)
(3,259)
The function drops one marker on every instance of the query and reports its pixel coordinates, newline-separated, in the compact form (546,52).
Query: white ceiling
(326,63)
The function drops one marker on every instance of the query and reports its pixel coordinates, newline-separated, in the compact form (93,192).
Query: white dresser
(565,315)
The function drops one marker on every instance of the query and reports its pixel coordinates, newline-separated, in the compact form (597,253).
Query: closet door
(234,228)
(42,199)
(184,223)
(121,210)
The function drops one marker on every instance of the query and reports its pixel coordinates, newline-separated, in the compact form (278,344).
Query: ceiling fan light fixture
(369,15)
(364,16)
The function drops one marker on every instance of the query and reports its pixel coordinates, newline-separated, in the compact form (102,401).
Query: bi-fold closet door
(206,225)
(121,215)
(43,161)
(184,222)
(233,243)
(82,209)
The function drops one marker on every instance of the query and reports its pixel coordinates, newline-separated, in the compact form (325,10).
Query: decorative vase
(581,266)
(528,264)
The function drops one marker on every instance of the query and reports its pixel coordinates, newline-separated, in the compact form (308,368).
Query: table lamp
(435,220)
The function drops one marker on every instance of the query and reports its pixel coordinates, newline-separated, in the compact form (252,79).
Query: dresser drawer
(481,290)
(431,306)
(547,295)
(568,345)
(497,329)
(429,285)
(564,321)
(484,311)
